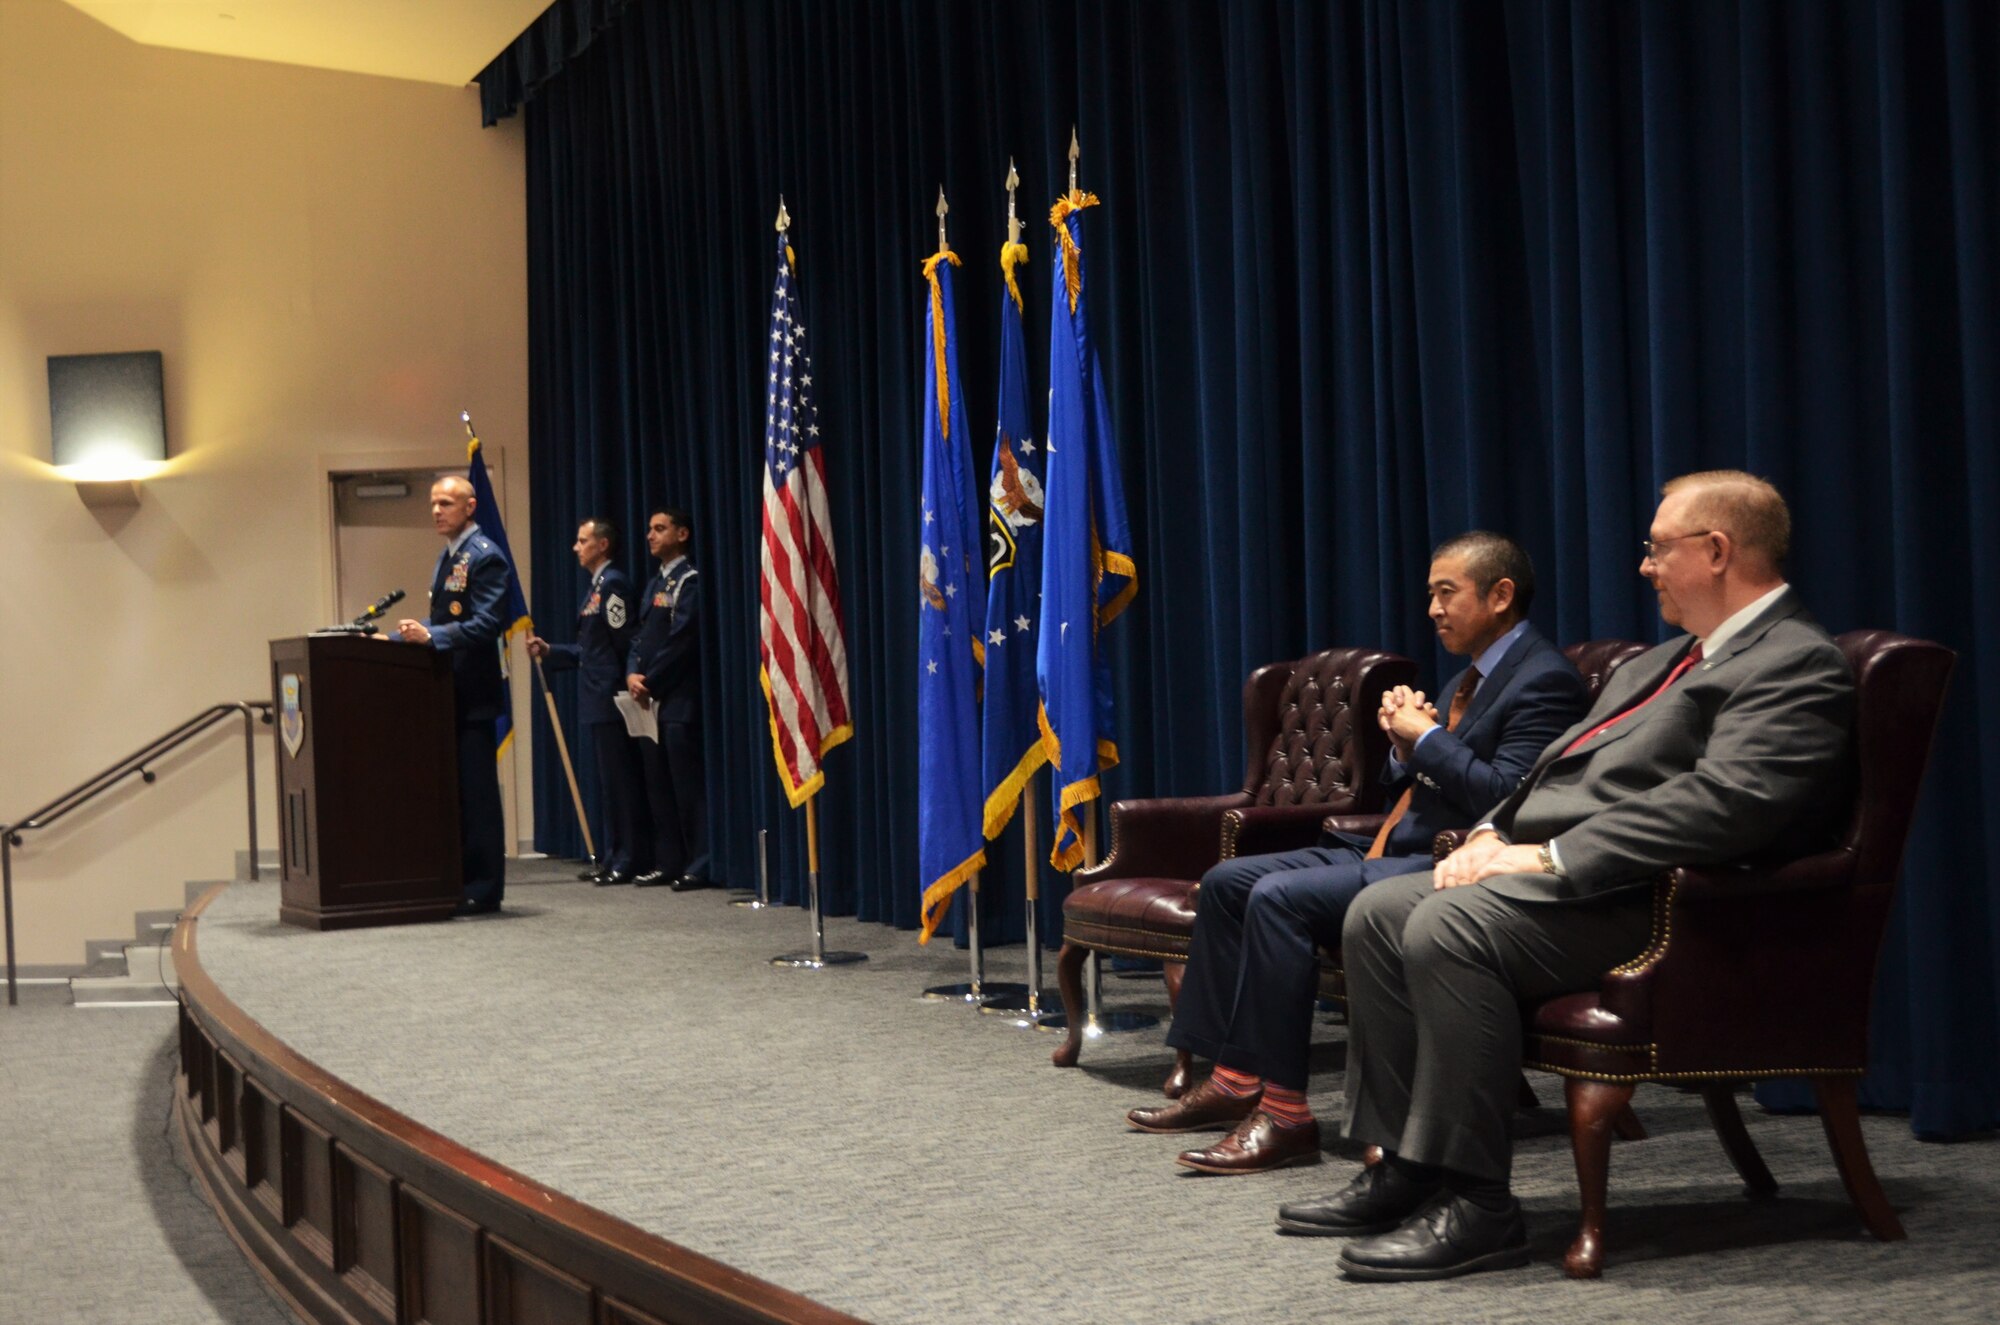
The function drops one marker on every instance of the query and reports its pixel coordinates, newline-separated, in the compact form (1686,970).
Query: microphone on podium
(379,606)
(365,623)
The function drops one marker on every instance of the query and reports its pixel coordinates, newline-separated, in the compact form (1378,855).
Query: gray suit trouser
(1436,985)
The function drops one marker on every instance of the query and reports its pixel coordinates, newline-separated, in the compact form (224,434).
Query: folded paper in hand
(640,719)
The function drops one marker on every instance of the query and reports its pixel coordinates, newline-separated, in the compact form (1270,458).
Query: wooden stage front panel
(357,1214)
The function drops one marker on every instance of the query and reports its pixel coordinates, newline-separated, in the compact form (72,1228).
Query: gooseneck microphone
(379,606)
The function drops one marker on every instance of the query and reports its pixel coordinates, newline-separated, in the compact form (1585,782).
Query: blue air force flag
(950,846)
(514,610)
(1012,748)
(1088,574)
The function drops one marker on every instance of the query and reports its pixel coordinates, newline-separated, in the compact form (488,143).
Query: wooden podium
(367,782)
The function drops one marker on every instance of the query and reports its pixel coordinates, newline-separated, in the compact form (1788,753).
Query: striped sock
(1286,1106)
(1236,1083)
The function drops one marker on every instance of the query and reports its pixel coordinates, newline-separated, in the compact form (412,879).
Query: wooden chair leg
(1841,1117)
(1371,1156)
(1627,1125)
(1069,979)
(1592,1107)
(1182,1076)
(1727,1119)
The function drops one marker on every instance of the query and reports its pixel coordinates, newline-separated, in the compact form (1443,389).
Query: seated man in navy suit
(1252,975)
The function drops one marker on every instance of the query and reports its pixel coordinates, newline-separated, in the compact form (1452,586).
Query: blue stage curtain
(1365,275)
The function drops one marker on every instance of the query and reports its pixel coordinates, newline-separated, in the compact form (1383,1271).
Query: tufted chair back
(1311,726)
(1899,686)
(1597,659)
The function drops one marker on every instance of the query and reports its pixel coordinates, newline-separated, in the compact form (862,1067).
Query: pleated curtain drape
(1365,275)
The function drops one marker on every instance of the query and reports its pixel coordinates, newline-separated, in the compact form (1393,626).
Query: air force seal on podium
(291,720)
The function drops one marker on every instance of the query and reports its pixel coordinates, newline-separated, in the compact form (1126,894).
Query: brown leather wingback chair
(1312,747)
(1756,973)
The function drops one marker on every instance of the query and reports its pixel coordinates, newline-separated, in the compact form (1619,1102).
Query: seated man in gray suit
(1725,742)
(1253,967)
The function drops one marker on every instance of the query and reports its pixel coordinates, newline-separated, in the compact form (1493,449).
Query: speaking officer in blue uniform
(467,594)
(605,625)
(663,669)
(1252,974)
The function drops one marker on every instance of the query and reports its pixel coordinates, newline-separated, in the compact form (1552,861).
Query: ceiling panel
(432,41)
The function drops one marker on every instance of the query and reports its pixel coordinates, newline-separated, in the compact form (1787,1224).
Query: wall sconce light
(107,423)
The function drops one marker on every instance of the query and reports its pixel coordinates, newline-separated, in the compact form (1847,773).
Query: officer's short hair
(1491,558)
(677,515)
(604,529)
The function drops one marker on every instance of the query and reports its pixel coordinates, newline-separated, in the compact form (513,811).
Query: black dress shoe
(1447,1238)
(652,879)
(472,908)
(688,883)
(1379,1199)
(611,880)
(591,875)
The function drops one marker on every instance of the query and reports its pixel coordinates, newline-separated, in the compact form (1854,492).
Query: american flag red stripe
(803,645)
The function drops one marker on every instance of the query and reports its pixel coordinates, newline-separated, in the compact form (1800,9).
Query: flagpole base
(1023,1013)
(1104,1023)
(978,995)
(807,961)
(749,901)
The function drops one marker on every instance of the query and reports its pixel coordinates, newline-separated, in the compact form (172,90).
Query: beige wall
(333,265)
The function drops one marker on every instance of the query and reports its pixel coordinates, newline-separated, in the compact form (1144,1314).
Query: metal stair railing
(253,711)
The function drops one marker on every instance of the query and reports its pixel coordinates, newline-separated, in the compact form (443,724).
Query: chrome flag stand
(817,957)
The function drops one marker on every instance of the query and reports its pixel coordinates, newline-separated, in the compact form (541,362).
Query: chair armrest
(1754,969)
(1357,825)
(1450,840)
(1258,830)
(1176,838)
(1829,869)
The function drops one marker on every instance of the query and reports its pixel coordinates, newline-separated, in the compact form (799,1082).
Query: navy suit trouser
(482,824)
(677,793)
(628,837)
(1253,966)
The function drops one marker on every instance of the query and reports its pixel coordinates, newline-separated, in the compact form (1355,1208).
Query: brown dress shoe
(1206,1108)
(1258,1143)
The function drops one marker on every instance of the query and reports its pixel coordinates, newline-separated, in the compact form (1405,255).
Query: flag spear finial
(1013,219)
(784,217)
(1074,153)
(942,208)
(465,417)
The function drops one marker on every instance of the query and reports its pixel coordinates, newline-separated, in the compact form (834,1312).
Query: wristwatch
(1548,859)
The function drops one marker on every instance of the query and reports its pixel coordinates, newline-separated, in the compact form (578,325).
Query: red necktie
(1459,699)
(1693,657)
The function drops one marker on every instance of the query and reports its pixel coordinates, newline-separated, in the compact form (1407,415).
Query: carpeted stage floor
(911,1161)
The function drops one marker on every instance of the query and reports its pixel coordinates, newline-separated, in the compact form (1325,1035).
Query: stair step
(151,961)
(120,991)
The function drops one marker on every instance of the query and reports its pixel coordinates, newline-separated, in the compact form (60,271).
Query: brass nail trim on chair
(1116,836)
(1593,1044)
(1663,930)
(1741,1074)
(1232,825)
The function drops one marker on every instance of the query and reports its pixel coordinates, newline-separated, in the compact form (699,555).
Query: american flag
(803,647)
